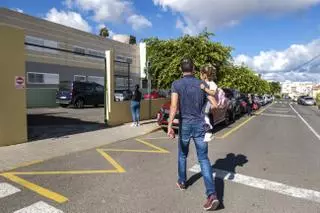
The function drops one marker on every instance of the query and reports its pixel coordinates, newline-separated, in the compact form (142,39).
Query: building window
(80,78)
(79,50)
(42,78)
(46,44)
(96,79)
(95,53)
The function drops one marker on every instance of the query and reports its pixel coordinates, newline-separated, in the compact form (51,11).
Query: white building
(295,89)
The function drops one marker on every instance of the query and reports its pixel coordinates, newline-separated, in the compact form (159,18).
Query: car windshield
(65,85)
(308,98)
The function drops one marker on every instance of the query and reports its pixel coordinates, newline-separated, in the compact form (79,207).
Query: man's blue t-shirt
(191,99)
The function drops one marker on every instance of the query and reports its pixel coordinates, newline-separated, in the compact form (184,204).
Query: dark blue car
(79,94)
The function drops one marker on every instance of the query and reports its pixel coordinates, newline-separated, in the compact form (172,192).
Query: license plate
(63,97)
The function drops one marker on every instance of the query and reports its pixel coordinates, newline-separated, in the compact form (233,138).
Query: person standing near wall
(135,106)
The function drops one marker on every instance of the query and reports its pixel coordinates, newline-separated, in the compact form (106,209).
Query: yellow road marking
(38,189)
(61,199)
(242,124)
(76,172)
(132,150)
(112,161)
(152,146)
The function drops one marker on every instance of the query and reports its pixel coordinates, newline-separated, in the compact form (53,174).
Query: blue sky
(271,36)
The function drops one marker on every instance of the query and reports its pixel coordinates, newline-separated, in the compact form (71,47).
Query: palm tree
(104,32)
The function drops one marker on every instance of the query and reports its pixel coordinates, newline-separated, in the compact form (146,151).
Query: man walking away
(192,101)
(135,106)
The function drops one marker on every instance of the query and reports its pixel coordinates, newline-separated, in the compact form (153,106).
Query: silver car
(308,101)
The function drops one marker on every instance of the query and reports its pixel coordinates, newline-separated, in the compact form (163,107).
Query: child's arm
(208,91)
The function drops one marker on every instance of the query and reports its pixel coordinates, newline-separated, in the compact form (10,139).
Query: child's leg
(208,120)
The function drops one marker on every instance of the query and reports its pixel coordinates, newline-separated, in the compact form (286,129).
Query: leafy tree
(165,56)
(104,32)
(318,99)
(132,40)
(275,87)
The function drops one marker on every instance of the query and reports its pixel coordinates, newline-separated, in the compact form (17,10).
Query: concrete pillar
(13,113)
(109,83)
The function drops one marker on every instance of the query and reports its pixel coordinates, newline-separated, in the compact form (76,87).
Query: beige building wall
(67,38)
(13,124)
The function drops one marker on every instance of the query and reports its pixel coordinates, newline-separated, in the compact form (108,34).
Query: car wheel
(233,116)
(79,103)
(64,105)
(227,118)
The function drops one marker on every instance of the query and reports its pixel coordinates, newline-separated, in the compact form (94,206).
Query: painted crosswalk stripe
(264,184)
(7,189)
(278,115)
(39,207)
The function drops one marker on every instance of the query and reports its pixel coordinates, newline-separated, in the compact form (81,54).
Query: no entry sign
(20,82)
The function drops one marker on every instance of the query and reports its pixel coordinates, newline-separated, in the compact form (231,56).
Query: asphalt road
(266,163)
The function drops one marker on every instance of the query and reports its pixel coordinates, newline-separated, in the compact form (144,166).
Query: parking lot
(58,122)
(265,163)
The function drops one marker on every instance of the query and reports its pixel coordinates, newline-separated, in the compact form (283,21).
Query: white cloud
(68,18)
(18,10)
(138,22)
(112,11)
(198,14)
(293,63)
(103,10)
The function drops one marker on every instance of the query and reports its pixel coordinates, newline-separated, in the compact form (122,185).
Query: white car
(308,101)
(118,97)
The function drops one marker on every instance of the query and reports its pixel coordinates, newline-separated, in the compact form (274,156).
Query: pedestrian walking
(250,104)
(135,106)
(186,94)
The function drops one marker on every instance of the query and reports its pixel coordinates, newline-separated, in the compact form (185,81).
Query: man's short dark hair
(187,65)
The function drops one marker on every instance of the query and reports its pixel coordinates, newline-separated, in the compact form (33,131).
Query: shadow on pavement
(229,164)
(45,126)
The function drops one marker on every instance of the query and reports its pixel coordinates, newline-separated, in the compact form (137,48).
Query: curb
(29,163)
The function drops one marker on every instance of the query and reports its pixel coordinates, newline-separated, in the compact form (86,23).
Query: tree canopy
(165,56)
(104,32)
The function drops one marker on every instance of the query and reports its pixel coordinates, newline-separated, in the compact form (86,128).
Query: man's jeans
(197,132)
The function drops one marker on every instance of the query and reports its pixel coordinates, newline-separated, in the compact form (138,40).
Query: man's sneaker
(208,137)
(138,124)
(212,203)
(133,124)
(181,186)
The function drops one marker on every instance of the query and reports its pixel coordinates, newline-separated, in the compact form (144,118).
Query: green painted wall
(41,98)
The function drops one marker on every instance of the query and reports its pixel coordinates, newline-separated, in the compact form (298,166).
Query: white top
(212,85)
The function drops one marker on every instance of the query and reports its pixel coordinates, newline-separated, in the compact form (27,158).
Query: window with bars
(81,78)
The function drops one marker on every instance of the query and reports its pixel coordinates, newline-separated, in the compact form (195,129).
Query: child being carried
(208,75)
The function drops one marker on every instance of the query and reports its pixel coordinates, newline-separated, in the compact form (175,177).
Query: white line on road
(304,121)
(7,189)
(264,184)
(280,111)
(278,115)
(39,207)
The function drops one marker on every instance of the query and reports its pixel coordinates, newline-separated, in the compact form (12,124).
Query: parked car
(300,99)
(234,97)
(118,96)
(222,115)
(309,101)
(243,103)
(152,95)
(79,94)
